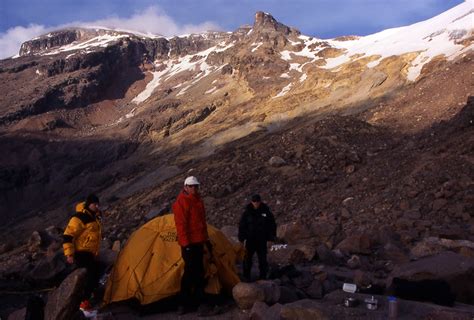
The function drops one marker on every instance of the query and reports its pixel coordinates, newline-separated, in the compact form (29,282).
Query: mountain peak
(265,22)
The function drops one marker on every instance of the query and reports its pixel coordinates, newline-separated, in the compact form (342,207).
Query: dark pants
(193,282)
(87,260)
(259,247)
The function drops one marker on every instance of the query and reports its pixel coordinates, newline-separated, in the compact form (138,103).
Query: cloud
(11,40)
(151,20)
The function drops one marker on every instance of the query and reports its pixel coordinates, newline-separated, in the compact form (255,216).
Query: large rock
(434,245)
(271,291)
(358,243)
(48,270)
(392,252)
(283,254)
(287,295)
(294,232)
(315,290)
(247,294)
(303,310)
(259,311)
(455,269)
(324,232)
(63,303)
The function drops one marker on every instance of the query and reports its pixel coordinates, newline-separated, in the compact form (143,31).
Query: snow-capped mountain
(100,108)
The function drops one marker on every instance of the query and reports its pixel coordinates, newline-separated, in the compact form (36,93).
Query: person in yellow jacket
(81,241)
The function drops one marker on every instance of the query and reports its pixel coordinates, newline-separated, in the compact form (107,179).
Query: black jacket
(257,224)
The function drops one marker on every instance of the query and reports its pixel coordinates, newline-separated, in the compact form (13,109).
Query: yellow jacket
(83,232)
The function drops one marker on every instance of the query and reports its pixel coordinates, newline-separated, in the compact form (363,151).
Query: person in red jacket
(190,219)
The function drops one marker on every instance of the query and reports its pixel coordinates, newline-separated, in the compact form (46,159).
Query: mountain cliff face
(129,115)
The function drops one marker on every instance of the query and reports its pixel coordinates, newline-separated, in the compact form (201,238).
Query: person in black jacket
(257,226)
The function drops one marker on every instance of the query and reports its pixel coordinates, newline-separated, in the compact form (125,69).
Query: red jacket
(190,219)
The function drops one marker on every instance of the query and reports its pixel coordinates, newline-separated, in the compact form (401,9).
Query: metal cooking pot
(371,304)
(350,302)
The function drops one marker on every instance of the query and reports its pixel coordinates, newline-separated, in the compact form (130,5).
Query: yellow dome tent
(149,267)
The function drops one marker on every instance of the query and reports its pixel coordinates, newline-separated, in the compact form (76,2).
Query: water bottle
(392,307)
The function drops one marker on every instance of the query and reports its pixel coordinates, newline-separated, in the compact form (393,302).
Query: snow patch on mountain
(99,41)
(186,63)
(284,91)
(213,89)
(440,35)
(257,45)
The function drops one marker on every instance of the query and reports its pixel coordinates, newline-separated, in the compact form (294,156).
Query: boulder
(452,232)
(303,310)
(287,295)
(434,245)
(325,255)
(271,291)
(283,254)
(48,270)
(386,234)
(303,280)
(315,290)
(246,294)
(294,232)
(452,268)
(392,252)
(259,311)
(360,243)
(63,303)
(324,232)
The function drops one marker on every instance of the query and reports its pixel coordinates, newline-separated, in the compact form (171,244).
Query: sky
(22,20)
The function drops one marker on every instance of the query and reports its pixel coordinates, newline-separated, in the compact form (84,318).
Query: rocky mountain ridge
(183,99)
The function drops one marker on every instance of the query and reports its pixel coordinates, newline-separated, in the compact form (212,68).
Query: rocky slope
(361,133)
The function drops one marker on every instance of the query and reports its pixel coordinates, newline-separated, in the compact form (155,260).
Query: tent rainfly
(149,267)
